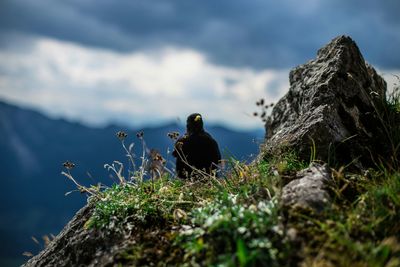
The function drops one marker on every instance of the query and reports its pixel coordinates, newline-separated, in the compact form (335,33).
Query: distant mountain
(32,150)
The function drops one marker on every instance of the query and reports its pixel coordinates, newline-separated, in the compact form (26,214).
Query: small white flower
(233,198)
(210,220)
(253,207)
(187,232)
(163,189)
(277,230)
(241,212)
(241,230)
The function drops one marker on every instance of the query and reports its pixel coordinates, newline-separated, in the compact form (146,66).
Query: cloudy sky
(145,62)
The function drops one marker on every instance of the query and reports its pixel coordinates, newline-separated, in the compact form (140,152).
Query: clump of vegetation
(359,229)
(392,115)
(231,231)
(387,109)
(229,220)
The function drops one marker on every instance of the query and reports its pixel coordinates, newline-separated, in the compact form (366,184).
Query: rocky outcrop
(333,107)
(309,189)
(78,246)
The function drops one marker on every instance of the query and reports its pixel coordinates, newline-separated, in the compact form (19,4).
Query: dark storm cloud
(244,33)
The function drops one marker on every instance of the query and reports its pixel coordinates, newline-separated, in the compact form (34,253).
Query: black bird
(196,150)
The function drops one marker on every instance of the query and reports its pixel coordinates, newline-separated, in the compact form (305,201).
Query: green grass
(360,232)
(143,203)
(388,113)
(228,221)
(237,220)
(230,232)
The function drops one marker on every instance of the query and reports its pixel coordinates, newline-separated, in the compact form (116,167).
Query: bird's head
(194,123)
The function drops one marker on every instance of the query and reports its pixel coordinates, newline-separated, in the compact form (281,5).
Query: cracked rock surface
(333,106)
(77,246)
(309,189)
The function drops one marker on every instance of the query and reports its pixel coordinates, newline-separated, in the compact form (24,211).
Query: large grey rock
(333,102)
(309,189)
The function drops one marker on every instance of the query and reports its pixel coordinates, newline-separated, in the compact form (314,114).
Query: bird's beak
(198,117)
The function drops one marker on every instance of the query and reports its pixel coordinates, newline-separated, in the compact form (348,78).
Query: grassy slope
(237,220)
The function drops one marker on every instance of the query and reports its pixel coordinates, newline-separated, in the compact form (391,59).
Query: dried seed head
(28,254)
(179,214)
(173,135)
(255,114)
(121,135)
(158,158)
(68,165)
(178,145)
(262,101)
(139,134)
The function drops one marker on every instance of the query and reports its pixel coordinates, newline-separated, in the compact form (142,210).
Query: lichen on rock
(309,190)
